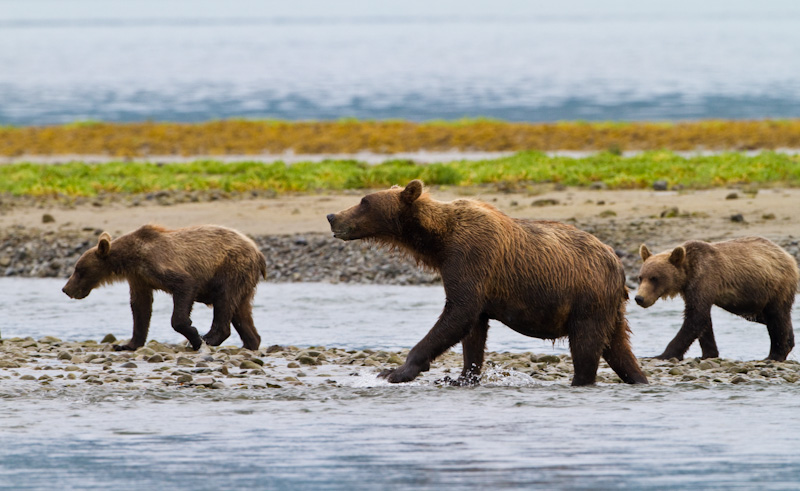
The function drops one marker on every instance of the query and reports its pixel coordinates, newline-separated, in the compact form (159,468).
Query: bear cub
(213,265)
(751,277)
(542,279)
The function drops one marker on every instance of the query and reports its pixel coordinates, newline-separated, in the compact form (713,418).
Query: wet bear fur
(751,277)
(213,265)
(542,279)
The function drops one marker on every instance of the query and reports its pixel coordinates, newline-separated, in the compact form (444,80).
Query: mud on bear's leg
(695,322)
(181,318)
(620,357)
(586,343)
(243,323)
(453,325)
(142,309)
(781,334)
(474,347)
(221,323)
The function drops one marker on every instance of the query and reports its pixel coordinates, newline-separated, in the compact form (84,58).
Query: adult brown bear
(751,277)
(214,265)
(542,279)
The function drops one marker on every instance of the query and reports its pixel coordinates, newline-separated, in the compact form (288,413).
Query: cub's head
(662,275)
(91,270)
(377,215)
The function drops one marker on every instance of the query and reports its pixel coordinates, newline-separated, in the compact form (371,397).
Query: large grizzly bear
(213,265)
(751,277)
(542,279)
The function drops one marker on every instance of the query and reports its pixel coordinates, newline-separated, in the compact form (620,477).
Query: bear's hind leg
(181,318)
(243,323)
(620,357)
(221,323)
(781,334)
(586,343)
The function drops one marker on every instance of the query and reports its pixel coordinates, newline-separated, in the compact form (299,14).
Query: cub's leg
(781,334)
(181,317)
(142,309)
(243,323)
(221,323)
(696,321)
(708,344)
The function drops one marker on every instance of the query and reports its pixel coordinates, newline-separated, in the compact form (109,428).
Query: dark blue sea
(196,60)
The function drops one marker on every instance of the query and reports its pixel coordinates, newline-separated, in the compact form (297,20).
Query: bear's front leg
(697,320)
(452,326)
(474,347)
(142,309)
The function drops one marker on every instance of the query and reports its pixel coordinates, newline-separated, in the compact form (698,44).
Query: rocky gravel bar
(50,363)
(33,253)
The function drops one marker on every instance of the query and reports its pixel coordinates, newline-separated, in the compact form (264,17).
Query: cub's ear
(411,192)
(104,244)
(644,252)
(677,256)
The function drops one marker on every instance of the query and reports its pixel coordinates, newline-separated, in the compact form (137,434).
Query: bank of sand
(662,218)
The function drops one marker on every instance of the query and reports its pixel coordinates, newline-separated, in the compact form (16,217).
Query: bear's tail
(262,264)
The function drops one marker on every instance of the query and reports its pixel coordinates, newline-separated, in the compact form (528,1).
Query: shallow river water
(348,430)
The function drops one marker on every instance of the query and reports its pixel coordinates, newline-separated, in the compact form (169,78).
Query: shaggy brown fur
(213,265)
(542,279)
(751,277)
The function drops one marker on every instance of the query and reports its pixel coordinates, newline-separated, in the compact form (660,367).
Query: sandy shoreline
(671,216)
(44,238)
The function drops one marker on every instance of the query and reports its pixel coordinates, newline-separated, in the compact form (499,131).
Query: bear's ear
(411,192)
(677,256)
(644,252)
(104,244)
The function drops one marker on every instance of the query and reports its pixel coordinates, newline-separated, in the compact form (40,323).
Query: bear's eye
(654,279)
(640,278)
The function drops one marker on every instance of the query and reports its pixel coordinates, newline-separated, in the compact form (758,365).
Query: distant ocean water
(182,60)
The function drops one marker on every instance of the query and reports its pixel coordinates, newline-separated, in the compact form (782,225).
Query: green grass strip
(640,171)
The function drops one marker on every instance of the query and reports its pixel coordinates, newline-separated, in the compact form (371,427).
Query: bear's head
(662,275)
(91,270)
(378,215)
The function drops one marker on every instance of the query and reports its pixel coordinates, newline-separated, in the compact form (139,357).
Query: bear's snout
(331,217)
(641,301)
